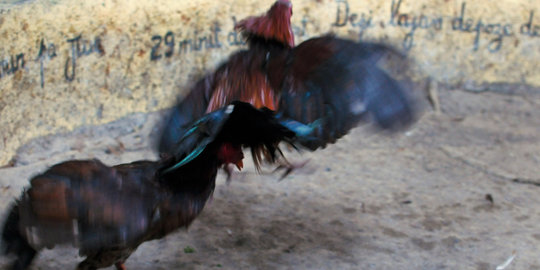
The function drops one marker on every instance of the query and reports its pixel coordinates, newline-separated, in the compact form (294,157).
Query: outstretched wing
(88,204)
(329,84)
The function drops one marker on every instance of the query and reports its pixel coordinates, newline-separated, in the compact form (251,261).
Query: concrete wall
(70,63)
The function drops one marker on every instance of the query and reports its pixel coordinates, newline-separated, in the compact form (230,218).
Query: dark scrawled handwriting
(412,23)
(487,33)
(233,37)
(166,46)
(46,52)
(530,29)
(80,47)
(12,64)
(500,30)
(344,17)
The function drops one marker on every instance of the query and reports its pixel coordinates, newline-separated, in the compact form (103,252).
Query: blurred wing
(331,84)
(87,204)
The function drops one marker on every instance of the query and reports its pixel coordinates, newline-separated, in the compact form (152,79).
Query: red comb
(275,24)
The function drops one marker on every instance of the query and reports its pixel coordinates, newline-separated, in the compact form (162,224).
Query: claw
(290,167)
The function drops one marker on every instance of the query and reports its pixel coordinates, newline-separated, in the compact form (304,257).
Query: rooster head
(274,25)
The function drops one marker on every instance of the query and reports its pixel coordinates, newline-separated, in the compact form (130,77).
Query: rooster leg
(120,266)
(290,167)
(229,170)
(24,258)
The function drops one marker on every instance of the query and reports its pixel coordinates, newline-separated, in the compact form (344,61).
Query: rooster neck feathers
(250,83)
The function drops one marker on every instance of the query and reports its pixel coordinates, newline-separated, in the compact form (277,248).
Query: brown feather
(241,79)
(48,199)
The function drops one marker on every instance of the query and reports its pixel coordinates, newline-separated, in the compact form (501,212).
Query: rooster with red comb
(320,89)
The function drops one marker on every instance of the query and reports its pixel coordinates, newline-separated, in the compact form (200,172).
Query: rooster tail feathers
(191,140)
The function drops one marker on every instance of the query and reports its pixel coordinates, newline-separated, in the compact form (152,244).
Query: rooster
(323,87)
(107,212)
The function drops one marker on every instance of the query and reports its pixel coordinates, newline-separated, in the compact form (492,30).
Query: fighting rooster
(324,86)
(107,212)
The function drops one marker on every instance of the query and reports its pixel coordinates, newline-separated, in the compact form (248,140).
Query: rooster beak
(239,165)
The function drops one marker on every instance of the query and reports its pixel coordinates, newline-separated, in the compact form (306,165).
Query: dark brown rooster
(324,86)
(107,212)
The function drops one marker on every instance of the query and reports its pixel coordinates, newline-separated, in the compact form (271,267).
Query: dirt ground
(416,200)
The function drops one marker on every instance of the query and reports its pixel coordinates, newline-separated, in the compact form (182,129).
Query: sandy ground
(417,200)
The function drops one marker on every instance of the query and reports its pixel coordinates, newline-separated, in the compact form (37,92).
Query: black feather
(14,242)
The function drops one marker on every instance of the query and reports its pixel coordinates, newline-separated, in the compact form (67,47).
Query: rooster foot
(290,167)
(229,170)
